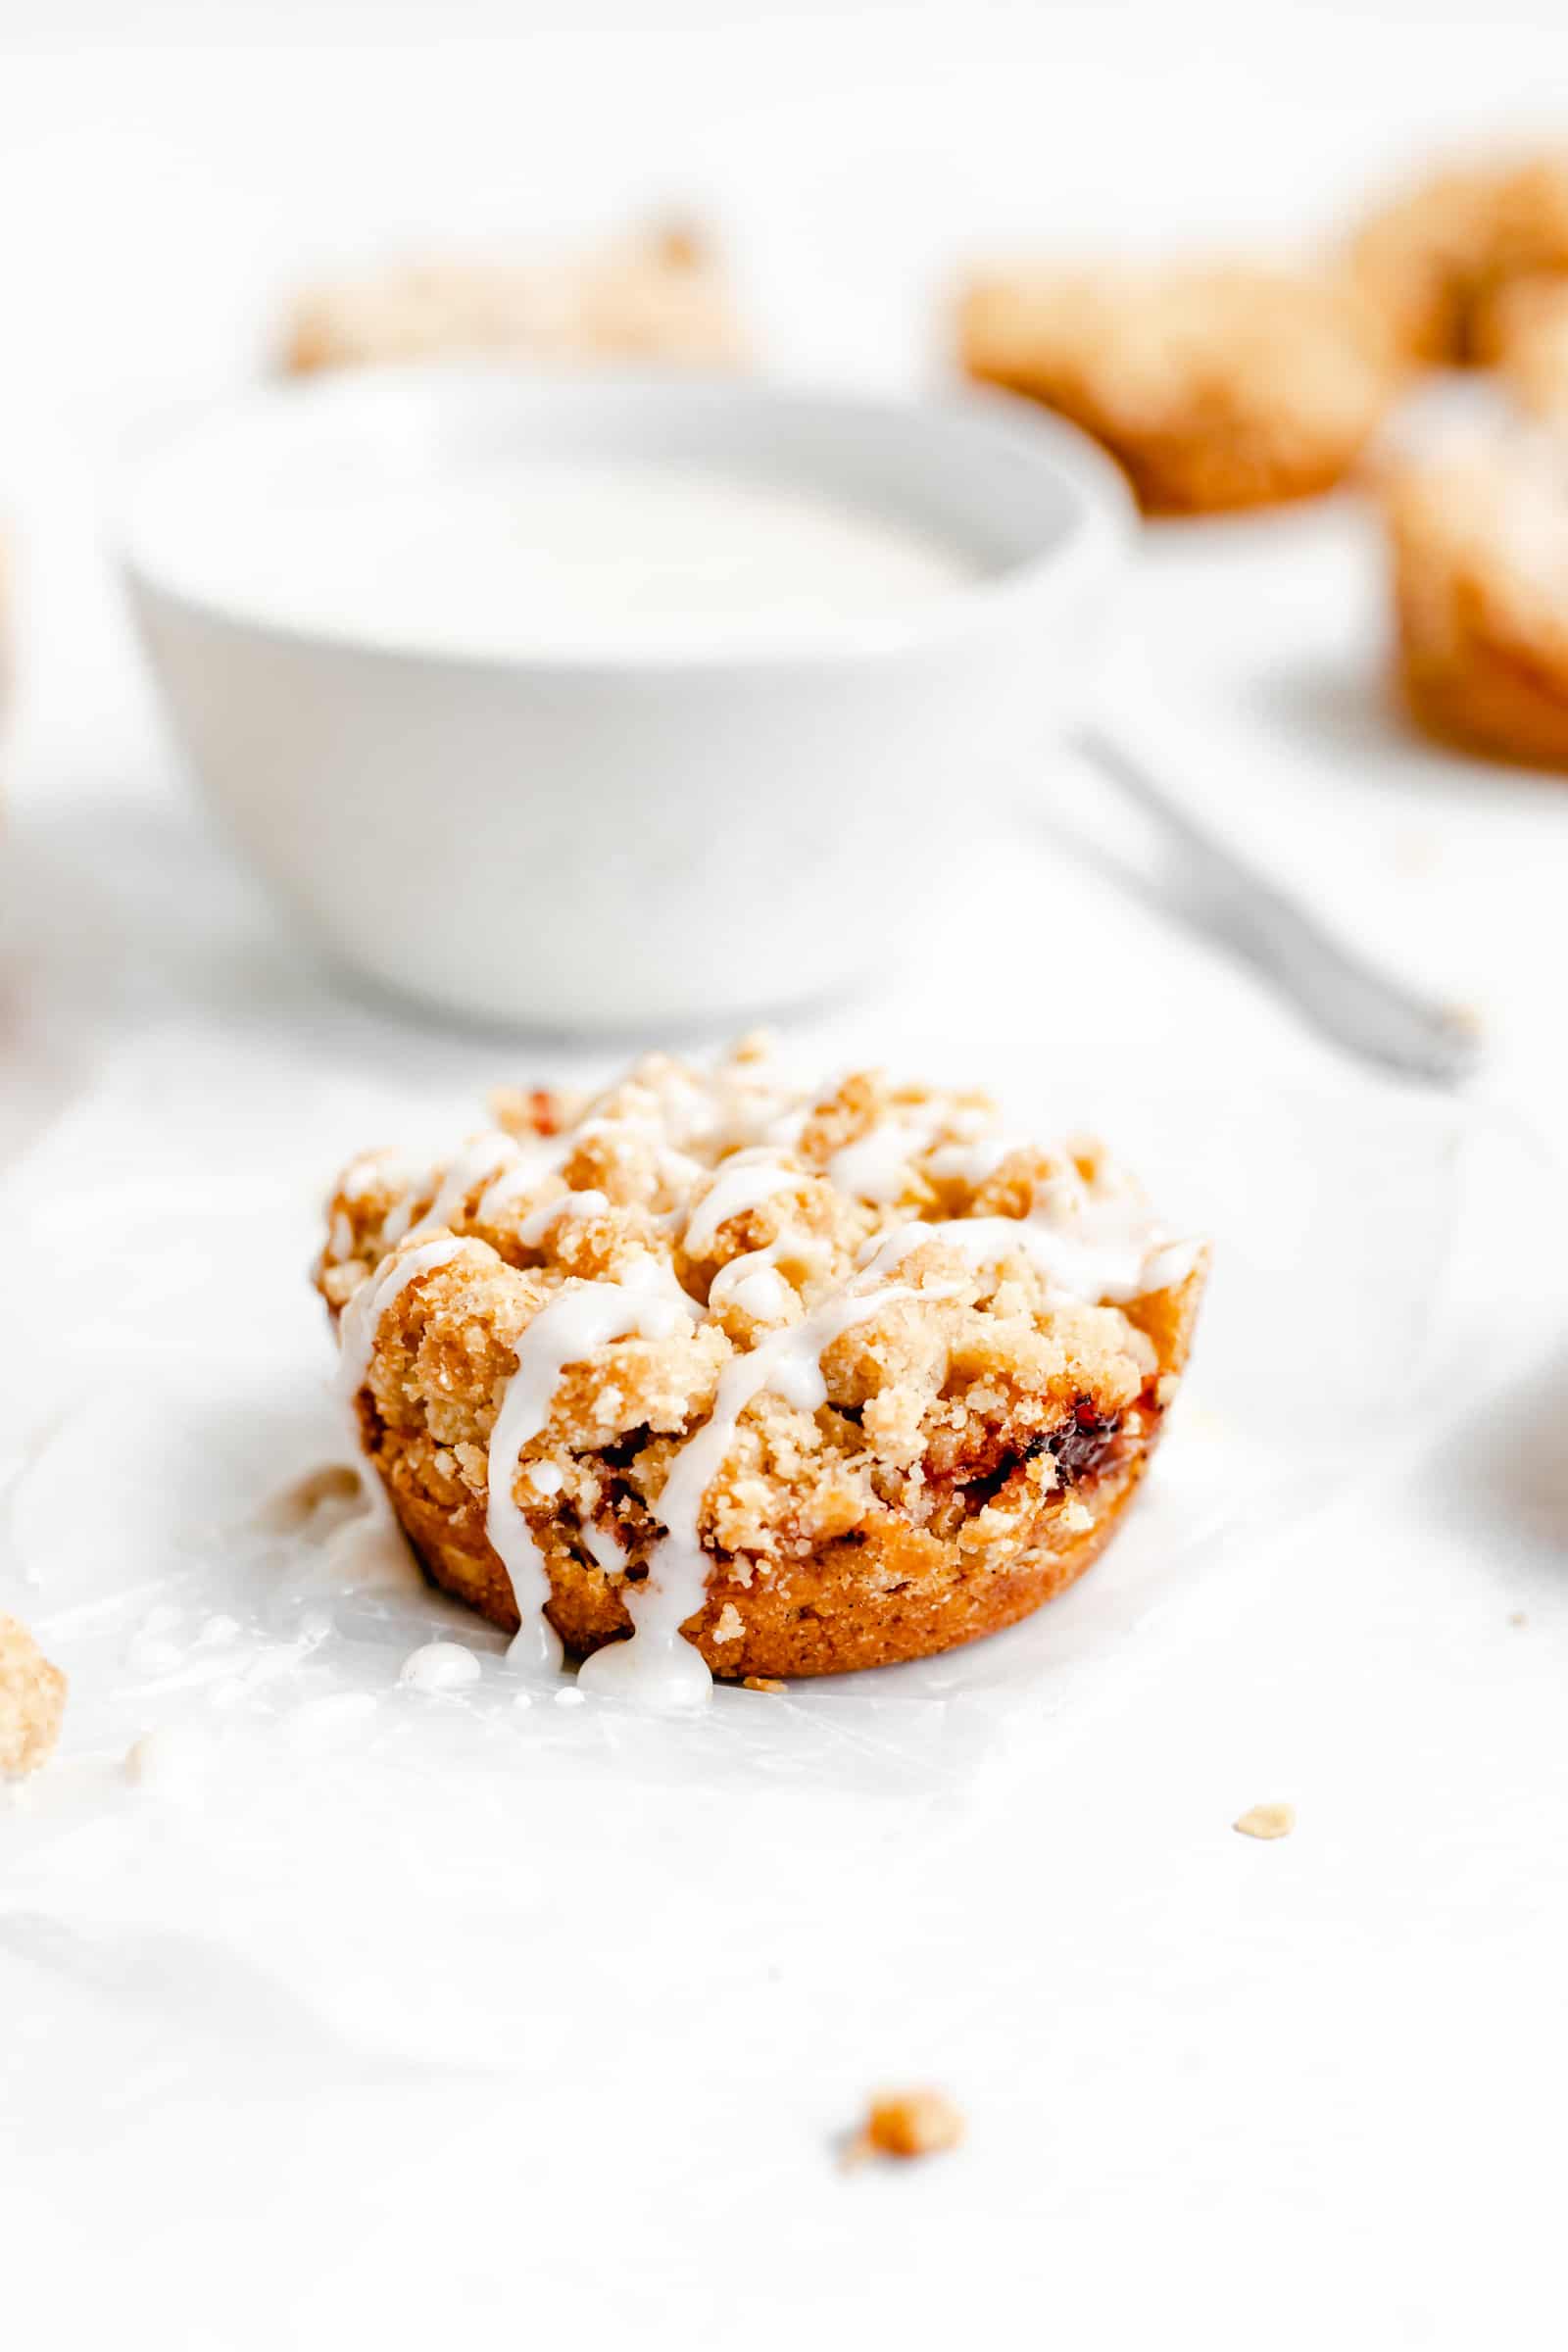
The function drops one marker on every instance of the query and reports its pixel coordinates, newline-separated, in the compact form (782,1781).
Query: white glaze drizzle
(398,1218)
(507,1169)
(531,1232)
(439,1666)
(531,1163)
(676,1169)
(658,1662)
(510,1170)
(387,1166)
(876,1167)
(1107,1260)
(605,1548)
(742,1279)
(483,1157)
(761,1293)
(971,1163)
(743,1181)
(583,1316)
(727,1282)
(363,1315)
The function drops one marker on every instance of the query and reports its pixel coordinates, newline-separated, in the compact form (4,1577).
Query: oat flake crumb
(1266,1821)
(32,1701)
(908,2122)
(763,1682)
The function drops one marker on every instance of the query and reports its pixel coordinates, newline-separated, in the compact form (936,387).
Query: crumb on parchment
(33,1701)
(904,2123)
(1266,1821)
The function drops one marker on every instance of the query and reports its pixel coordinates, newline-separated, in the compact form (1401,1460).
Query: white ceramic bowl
(631,842)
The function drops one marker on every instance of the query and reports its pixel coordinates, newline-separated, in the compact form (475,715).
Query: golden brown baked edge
(895,1595)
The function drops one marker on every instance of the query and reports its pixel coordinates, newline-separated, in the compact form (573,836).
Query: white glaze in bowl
(646,835)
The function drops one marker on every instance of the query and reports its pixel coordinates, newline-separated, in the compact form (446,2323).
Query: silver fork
(1342,992)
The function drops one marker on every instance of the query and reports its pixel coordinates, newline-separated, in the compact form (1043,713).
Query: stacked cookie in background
(1219,387)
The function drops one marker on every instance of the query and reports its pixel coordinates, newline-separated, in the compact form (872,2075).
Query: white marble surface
(503,2048)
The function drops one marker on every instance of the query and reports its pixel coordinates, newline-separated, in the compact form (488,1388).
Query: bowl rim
(1093,546)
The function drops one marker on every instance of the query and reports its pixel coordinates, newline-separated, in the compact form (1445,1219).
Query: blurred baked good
(1430,261)
(657,296)
(33,1701)
(1213,387)
(1478,544)
(1523,332)
(906,2124)
(816,1380)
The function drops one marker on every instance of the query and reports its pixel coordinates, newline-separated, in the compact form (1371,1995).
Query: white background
(1223,2092)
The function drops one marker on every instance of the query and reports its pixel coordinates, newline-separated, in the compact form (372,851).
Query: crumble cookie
(1478,544)
(1213,387)
(1431,260)
(33,1701)
(660,296)
(800,1381)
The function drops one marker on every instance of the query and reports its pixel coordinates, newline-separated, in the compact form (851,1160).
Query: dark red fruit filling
(1084,1446)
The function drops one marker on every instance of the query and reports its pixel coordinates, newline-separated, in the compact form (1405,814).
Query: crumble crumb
(1518,1617)
(763,1682)
(731,1624)
(32,1701)
(905,2124)
(1266,1821)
